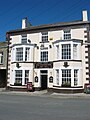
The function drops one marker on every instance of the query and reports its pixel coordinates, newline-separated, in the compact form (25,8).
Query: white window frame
(78,47)
(44,36)
(42,58)
(23,76)
(76,77)
(66,55)
(57,76)
(58,51)
(26,76)
(66,77)
(19,56)
(65,34)
(24,53)
(19,77)
(24,38)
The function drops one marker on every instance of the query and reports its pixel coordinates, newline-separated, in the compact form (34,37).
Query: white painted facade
(56,51)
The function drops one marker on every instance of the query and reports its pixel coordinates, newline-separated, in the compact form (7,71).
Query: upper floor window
(27,54)
(57,47)
(23,54)
(1,57)
(24,38)
(67,34)
(66,51)
(44,36)
(44,56)
(19,54)
(74,51)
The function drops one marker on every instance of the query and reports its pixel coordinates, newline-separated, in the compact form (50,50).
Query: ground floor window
(57,77)
(26,76)
(75,77)
(18,77)
(66,77)
(21,77)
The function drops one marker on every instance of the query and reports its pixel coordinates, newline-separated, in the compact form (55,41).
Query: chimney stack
(24,23)
(85,15)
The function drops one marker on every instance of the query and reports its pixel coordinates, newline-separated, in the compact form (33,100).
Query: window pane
(57,77)
(67,34)
(27,54)
(19,54)
(26,76)
(18,76)
(44,36)
(75,77)
(44,56)
(66,51)
(75,51)
(66,77)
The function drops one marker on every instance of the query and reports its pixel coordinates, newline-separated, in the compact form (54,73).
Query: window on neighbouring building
(66,51)
(57,77)
(44,56)
(1,57)
(26,76)
(24,38)
(67,34)
(66,77)
(19,54)
(27,54)
(44,36)
(18,77)
(76,77)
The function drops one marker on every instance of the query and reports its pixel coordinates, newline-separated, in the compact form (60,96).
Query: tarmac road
(28,107)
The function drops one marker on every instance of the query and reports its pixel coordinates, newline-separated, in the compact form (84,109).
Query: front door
(43,75)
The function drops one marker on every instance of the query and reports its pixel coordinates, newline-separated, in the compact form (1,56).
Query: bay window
(23,54)
(21,77)
(19,54)
(66,77)
(18,77)
(66,51)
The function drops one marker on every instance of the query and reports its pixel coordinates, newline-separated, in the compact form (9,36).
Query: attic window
(44,36)
(24,38)
(67,34)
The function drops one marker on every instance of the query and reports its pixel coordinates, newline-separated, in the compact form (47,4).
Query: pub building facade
(55,57)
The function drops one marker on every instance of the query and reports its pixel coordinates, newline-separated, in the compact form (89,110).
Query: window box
(18,84)
(66,85)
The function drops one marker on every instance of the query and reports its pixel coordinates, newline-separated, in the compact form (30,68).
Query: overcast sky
(39,12)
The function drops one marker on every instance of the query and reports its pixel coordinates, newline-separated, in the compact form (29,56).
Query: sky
(39,12)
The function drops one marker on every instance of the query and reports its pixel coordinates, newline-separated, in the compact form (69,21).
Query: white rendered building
(52,56)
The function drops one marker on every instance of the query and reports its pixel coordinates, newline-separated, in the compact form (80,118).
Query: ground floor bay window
(67,77)
(21,77)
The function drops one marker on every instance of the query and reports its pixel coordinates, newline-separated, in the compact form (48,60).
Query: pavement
(45,93)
